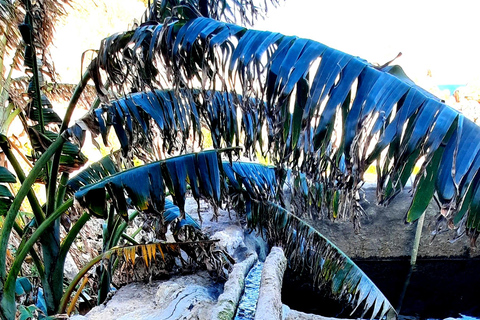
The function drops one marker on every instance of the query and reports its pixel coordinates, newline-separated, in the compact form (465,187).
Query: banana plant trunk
(53,280)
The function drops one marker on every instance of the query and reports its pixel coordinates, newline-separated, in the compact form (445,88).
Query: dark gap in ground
(439,288)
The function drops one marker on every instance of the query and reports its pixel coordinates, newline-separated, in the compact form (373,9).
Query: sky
(441,36)
(86,25)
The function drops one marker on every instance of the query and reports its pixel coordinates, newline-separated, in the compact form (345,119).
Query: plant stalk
(416,242)
(72,235)
(66,120)
(62,188)
(413,261)
(36,208)
(17,202)
(8,297)
(129,239)
(77,295)
(78,277)
(33,253)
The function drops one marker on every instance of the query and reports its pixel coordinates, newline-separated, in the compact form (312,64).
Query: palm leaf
(106,167)
(161,175)
(93,173)
(301,242)
(10,17)
(45,15)
(313,256)
(331,94)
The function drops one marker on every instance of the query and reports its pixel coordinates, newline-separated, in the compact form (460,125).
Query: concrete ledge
(289,314)
(269,305)
(233,289)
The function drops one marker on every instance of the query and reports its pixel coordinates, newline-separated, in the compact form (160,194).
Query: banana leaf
(301,242)
(309,106)
(145,186)
(105,168)
(312,255)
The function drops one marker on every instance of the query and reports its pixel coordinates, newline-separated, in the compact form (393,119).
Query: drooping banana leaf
(105,168)
(95,172)
(301,242)
(177,115)
(258,180)
(145,185)
(308,96)
(314,256)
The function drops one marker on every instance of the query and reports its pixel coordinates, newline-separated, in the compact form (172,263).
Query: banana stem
(8,298)
(17,202)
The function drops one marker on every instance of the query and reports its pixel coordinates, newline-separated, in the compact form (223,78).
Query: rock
(181,297)
(233,290)
(269,304)
(229,229)
(256,243)
(189,302)
(230,238)
(70,268)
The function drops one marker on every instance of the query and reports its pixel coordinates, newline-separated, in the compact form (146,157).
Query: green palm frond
(325,113)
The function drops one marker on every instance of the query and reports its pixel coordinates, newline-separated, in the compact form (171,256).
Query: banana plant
(318,111)
(252,184)
(53,153)
(321,116)
(42,126)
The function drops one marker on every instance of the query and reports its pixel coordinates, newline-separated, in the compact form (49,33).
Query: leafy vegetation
(321,117)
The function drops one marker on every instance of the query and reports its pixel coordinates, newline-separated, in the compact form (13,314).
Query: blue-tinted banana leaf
(311,107)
